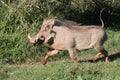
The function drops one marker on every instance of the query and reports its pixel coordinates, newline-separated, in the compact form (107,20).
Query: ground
(63,69)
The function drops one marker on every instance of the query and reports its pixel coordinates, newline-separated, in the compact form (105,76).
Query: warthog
(67,35)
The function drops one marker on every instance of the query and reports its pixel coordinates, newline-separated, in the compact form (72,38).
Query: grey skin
(67,35)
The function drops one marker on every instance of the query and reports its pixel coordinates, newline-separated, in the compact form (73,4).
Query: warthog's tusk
(29,36)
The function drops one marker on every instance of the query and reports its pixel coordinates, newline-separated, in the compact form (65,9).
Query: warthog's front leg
(73,56)
(50,53)
(96,56)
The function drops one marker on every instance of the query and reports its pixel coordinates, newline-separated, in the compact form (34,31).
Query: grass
(61,67)
(62,70)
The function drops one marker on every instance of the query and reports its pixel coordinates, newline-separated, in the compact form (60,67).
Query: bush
(20,17)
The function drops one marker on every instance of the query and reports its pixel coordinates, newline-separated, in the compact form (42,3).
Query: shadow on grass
(112,57)
(115,56)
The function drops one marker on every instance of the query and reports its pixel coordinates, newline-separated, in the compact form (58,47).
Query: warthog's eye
(47,28)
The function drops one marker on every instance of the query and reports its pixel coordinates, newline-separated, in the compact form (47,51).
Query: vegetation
(20,17)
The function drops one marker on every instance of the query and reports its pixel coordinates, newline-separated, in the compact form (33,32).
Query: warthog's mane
(73,25)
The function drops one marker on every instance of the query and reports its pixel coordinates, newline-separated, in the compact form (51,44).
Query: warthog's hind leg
(101,52)
(50,53)
(105,53)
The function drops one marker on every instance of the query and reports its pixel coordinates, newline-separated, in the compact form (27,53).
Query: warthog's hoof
(94,59)
(44,61)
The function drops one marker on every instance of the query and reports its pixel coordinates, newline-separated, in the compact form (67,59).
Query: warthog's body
(67,35)
(78,37)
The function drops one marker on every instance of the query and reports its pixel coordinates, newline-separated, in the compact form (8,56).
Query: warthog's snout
(39,41)
(35,40)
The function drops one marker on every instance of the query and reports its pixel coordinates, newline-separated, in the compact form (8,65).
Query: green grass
(62,70)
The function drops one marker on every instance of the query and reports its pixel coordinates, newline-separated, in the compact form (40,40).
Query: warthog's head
(45,33)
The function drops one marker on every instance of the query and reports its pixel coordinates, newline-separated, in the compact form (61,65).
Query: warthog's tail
(101,18)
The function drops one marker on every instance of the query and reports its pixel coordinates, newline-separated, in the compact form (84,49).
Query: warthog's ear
(55,22)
